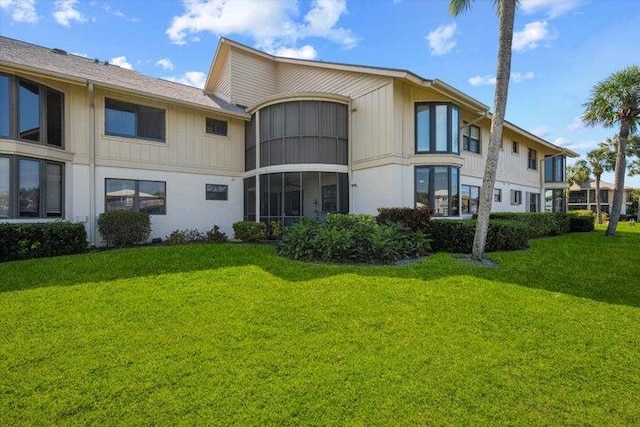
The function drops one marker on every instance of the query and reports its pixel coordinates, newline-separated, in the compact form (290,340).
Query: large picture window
(30,188)
(554,169)
(31,112)
(437,188)
(437,128)
(134,121)
(129,194)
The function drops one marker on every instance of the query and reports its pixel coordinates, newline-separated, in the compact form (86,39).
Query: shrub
(351,238)
(122,228)
(416,219)
(539,223)
(180,237)
(276,229)
(37,240)
(457,235)
(582,221)
(250,231)
(216,236)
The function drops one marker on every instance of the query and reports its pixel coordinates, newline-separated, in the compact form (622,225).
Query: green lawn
(234,335)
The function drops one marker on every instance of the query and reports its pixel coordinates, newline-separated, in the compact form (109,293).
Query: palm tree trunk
(507,11)
(621,168)
(598,206)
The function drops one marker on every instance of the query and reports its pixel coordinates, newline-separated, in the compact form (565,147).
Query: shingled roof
(55,62)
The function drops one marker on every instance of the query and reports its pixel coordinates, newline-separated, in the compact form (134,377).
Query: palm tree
(600,160)
(616,101)
(506,17)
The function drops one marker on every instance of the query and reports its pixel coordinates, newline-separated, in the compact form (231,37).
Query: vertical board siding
(222,86)
(372,121)
(252,78)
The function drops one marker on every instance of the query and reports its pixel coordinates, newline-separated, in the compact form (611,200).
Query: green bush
(250,231)
(192,235)
(351,238)
(216,236)
(457,235)
(122,228)
(416,219)
(37,240)
(540,224)
(582,221)
(276,229)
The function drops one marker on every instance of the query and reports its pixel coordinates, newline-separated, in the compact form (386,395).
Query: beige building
(583,197)
(268,138)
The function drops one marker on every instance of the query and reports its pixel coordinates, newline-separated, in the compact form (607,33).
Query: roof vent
(59,51)
(106,62)
(96,61)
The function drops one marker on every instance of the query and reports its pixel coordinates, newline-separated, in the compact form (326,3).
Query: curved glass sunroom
(298,150)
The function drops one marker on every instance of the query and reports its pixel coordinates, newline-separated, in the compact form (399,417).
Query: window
(516,197)
(30,112)
(470,196)
(554,200)
(515,149)
(134,121)
(554,169)
(532,158)
(436,187)
(436,128)
(533,202)
(471,139)
(497,195)
(129,194)
(216,192)
(216,127)
(30,188)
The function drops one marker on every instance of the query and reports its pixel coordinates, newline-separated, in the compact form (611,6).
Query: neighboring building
(583,197)
(268,138)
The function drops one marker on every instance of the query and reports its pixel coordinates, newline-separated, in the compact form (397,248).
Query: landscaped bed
(233,334)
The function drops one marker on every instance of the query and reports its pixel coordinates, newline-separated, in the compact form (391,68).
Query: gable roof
(77,69)
(591,185)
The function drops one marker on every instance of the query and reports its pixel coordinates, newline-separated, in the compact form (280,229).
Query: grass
(234,335)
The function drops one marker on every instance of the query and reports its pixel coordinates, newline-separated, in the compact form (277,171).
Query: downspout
(92,164)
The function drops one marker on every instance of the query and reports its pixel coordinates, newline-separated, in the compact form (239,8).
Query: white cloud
(531,36)
(21,10)
(540,131)
(64,12)
(165,63)
(491,80)
(554,8)
(305,52)
(191,78)
(274,27)
(111,11)
(576,124)
(441,39)
(121,61)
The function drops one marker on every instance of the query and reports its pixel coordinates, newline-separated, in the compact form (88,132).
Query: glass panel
(559,169)
(152,197)
(441,128)
(275,194)
(250,199)
(328,119)
(328,183)
(53,188)
(29,115)
(342,120)
(466,199)
(151,123)
(548,170)
(311,194)
(216,192)
(277,121)
(422,197)
(309,125)
(422,128)
(4,188)
(455,130)
(292,119)
(455,180)
(291,146)
(265,124)
(4,106)
(264,153)
(250,158)
(264,195)
(343,193)
(475,200)
(120,118)
(292,194)
(342,152)
(54,118)
(120,194)
(276,152)
(309,150)
(250,132)
(441,191)
(328,151)
(29,188)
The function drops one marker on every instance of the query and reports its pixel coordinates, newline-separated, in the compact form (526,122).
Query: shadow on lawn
(586,265)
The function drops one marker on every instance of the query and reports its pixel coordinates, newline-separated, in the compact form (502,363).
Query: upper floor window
(532,159)
(515,148)
(437,128)
(30,112)
(216,127)
(554,169)
(130,194)
(471,139)
(30,188)
(134,121)
(437,188)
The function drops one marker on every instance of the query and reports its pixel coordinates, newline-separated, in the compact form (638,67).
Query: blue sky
(562,48)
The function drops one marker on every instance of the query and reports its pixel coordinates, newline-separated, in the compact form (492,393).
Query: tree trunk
(621,168)
(598,206)
(507,10)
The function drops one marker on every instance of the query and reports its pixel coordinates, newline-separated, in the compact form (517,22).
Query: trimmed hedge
(250,231)
(582,221)
(540,224)
(44,239)
(416,219)
(457,235)
(122,228)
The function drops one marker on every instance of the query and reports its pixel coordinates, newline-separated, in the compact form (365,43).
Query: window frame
(532,161)
(550,168)
(136,195)
(432,149)
(497,192)
(136,110)
(516,197)
(214,128)
(515,147)
(533,202)
(467,139)
(453,209)
(14,187)
(469,210)
(13,86)
(209,195)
